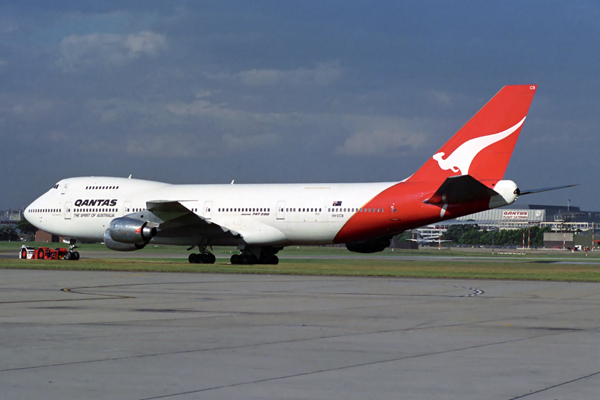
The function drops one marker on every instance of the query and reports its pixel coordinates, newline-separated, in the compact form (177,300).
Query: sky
(290,91)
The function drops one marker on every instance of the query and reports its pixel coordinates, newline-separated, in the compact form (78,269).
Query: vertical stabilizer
(483,146)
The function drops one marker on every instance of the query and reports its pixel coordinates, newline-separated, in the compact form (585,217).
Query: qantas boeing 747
(465,176)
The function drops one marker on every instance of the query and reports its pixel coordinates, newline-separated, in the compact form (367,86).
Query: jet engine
(369,245)
(131,231)
(118,246)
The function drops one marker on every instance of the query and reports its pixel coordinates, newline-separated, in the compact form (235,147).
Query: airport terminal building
(501,218)
(570,226)
(10,218)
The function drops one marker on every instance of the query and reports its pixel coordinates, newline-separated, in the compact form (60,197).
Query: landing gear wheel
(249,259)
(244,259)
(270,260)
(71,255)
(205,258)
(257,255)
(208,258)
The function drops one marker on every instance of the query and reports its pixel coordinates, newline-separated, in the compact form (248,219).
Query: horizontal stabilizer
(460,189)
(531,191)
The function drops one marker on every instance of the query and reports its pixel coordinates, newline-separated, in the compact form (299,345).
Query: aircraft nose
(31,206)
(30,214)
(28,209)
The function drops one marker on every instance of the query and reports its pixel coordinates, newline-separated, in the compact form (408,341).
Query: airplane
(428,238)
(465,176)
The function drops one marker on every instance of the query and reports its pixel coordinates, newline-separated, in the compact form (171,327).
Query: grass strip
(509,270)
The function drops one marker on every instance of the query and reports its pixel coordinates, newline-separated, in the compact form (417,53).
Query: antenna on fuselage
(129,176)
(232,181)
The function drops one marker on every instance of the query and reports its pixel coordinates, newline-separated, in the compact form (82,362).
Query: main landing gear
(249,255)
(256,255)
(202,258)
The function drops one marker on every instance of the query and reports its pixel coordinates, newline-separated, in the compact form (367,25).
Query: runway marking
(476,292)
(419,327)
(555,386)
(106,296)
(302,374)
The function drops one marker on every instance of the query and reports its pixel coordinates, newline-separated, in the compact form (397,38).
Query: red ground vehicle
(46,253)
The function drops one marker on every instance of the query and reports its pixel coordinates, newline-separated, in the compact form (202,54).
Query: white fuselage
(282,214)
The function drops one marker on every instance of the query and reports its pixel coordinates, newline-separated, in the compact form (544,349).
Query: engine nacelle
(117,246)
(370,245)
(130,230)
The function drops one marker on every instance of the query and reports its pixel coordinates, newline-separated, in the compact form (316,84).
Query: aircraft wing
(174,219)
(173,216)
(169,211)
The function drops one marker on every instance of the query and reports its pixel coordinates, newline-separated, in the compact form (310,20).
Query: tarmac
(117,335)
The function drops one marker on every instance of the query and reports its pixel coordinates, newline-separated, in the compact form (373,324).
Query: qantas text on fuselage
(95,203)
(128,214)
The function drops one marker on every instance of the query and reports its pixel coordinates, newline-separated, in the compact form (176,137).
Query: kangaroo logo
(463,156)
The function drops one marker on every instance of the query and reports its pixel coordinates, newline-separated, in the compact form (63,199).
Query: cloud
(250,142)
(442,98)
(385,136)
(338,133)
(322,75)
(165,145)
(223,116)
(197,108)
(78,51)
(27,107)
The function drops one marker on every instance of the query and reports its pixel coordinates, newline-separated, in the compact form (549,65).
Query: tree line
(474,235)
(11,232)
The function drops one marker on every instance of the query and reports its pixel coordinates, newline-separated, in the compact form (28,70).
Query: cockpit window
(55,186)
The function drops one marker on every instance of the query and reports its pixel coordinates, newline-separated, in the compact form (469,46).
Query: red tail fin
(482,148)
